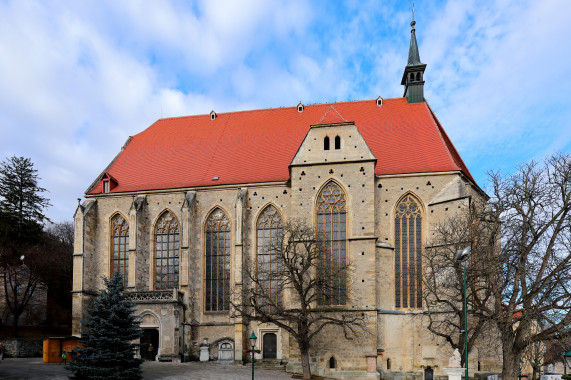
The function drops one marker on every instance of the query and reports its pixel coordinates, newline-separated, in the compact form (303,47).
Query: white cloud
(77,78)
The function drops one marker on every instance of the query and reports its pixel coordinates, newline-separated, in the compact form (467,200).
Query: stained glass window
(332,265)
(217,257)
(120,246)
(269,229)
(167,248)
(408,254)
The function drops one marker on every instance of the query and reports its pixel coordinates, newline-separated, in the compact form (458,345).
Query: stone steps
(270,364)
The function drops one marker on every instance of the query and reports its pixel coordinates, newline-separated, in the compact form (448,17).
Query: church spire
(413,76)
(413,55)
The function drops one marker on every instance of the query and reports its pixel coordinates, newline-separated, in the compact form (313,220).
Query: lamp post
(461,256)
(566,361)
(252,340)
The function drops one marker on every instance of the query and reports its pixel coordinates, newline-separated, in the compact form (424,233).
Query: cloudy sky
(78,77)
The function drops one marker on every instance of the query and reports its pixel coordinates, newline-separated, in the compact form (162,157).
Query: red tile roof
(258,146)
(332,116)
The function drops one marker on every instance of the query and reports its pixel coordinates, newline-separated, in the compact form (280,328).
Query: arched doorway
(428,373)
(150,337)
(270,345)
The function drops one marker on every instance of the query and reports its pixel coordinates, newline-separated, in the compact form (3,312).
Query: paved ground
(34,368)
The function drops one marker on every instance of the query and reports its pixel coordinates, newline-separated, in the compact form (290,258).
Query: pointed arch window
(120,246)
(167,248)
(337,142)
(326,143)
(217,256)
(332,223)
(269,230)
(408,254)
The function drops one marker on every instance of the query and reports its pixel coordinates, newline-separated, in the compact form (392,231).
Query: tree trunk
(304,349)
(16,318)
(510,368)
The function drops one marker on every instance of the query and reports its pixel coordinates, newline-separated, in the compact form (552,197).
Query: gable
(258,146)
(352,145)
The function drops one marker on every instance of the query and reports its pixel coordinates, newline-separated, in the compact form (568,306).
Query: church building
(190,199)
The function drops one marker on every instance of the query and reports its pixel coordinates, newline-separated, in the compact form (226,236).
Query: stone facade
(396,336)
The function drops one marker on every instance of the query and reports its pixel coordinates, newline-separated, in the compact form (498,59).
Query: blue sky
(78,77)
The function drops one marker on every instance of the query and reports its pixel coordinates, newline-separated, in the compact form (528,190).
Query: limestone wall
(395,334)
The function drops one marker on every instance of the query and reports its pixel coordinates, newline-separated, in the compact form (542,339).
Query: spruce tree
(108,351)
(21,198)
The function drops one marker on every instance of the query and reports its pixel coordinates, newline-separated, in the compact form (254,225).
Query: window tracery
(332,223)
(167,248)
(408,254)
(269,228)
(120,246)
(217,257)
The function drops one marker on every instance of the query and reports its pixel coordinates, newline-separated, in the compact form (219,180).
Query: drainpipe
(183,335)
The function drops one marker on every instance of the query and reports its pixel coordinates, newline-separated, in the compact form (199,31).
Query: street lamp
(253,339)
(566,361)
(461,256)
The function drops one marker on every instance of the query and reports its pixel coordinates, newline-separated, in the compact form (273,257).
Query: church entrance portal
(150,337)
(270,346)
(428,373)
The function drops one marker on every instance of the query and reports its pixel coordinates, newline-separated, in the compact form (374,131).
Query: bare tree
(533,282)
(295,287)
(520,272)
(20,282)
(443,278)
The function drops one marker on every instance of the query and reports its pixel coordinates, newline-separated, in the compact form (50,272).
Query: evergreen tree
(21,220)
(108,351)
(21,199)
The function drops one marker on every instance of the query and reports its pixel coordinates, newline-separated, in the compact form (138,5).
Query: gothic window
(269,229)
(120,246)
(167,247)
(337,142)
(408,247)
(217,268)
(326,143)
(332,223)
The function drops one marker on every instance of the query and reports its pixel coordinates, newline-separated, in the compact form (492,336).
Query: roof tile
(258,146)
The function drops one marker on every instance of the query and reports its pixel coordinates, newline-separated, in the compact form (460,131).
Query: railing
(155,296)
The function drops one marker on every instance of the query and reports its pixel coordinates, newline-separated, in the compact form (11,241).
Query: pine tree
(110,329)
(20,197)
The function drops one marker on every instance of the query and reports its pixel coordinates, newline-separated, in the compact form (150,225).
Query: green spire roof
(413,56)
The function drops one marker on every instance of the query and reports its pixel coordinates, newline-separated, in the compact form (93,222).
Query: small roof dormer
(108,183)
(213,115)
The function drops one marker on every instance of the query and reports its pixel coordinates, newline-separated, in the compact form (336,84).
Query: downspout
(183,335)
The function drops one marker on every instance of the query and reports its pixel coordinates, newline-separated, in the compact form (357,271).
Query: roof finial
(412,23)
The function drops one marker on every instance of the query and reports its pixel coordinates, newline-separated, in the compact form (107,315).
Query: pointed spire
(413,55)
(413,76)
